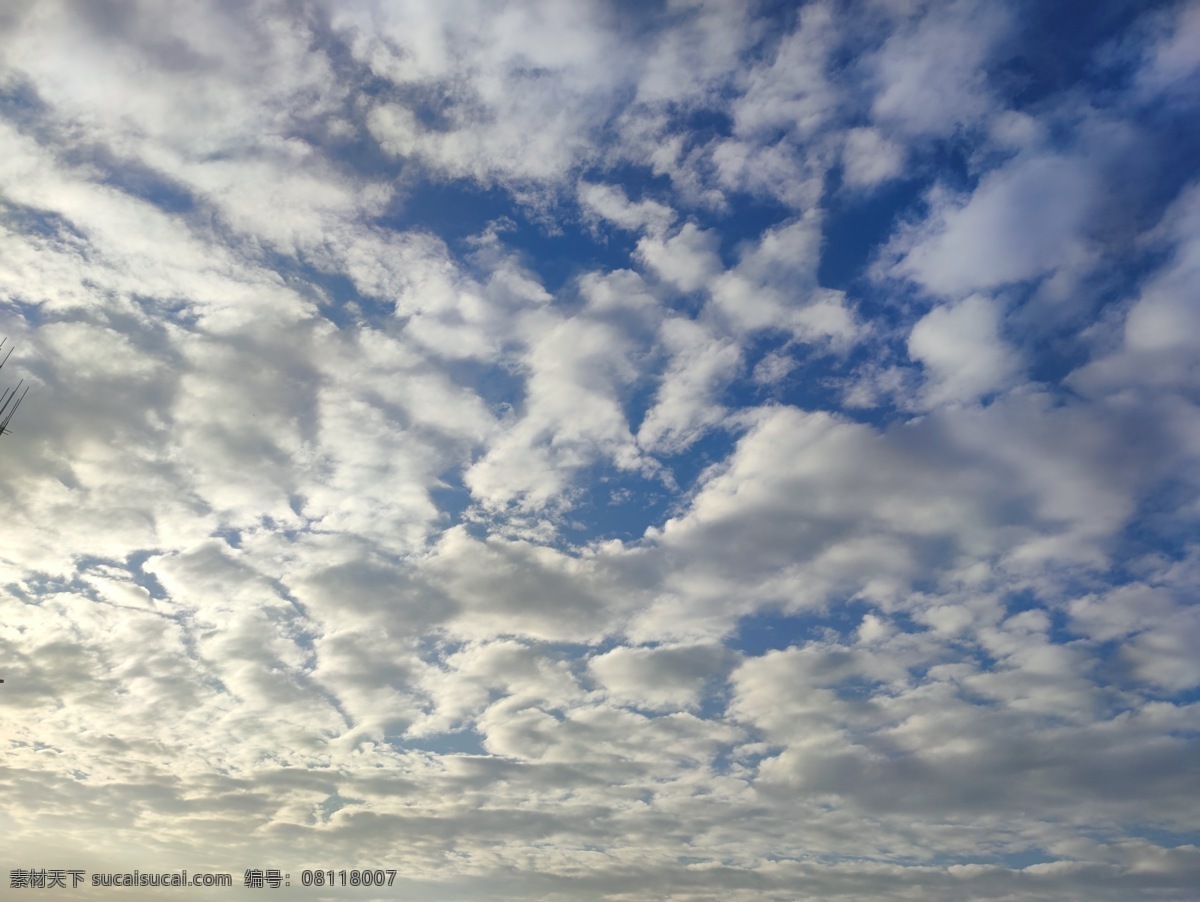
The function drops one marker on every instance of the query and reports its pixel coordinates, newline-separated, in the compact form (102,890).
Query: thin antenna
(10,400)
(10,397)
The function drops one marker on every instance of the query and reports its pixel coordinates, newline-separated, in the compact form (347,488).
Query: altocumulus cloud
(587,450)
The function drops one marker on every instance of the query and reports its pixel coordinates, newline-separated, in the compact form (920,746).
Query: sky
(689,450)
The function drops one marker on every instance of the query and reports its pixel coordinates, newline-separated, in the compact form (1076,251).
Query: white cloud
(578,373)
(688,259)
(1022,222)
(963,351)
(663,678)
(869,158)
(1162,320)
(610,203)
(778,172)
(309,546)
(540,80)
(1171,62)
(812,508)
(688,63)
(930,73)
(1158,344)
(792,94)
(688,399)
(1154,624)
(504,587)
(773,286)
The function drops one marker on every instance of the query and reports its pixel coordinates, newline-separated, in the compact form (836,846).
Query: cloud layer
(593,451)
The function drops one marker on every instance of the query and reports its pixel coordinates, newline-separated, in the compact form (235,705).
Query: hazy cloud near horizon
(585,450)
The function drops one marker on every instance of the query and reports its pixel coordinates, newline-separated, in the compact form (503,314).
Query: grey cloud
(661,678)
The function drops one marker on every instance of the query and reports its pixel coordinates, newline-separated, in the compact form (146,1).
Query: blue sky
(688,450)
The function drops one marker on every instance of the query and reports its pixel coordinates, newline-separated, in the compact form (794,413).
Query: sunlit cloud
(603,451)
